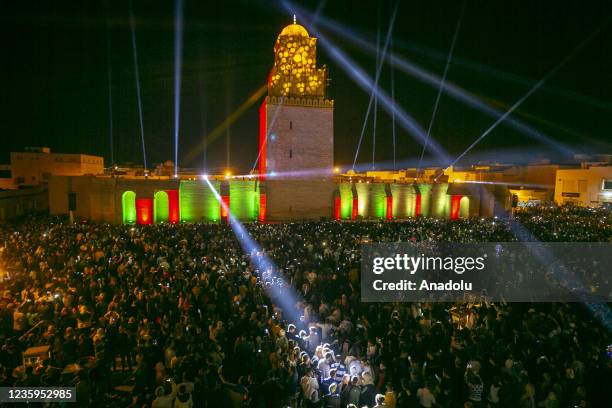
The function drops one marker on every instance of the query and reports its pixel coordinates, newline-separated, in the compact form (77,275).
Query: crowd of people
(181,316)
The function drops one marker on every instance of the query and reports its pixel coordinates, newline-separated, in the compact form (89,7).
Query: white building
(589,186)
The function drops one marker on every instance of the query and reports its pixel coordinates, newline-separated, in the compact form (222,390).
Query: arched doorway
(464,207)
(128,207)
(160,207)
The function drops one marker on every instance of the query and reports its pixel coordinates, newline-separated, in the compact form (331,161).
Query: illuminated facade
(296,178)
(296,132)
(295,72)
(34,166)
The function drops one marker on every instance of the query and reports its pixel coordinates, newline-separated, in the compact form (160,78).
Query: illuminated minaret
(296,131)
(296,119)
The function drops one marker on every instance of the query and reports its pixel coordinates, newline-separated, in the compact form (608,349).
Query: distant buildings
(583,183)
(589,186)
(35,165)
(23,182)
(296,177)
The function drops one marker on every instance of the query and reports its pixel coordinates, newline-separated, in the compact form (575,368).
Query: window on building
(607,185)
(569,185)
(290,153)
(290,124)
(582,186)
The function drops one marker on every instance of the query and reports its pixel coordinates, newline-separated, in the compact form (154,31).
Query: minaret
(296,131)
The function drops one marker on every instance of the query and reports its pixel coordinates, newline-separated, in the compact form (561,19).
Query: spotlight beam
(137,74)
(499,183)
(375,115)
(533,89)
(454,91)
(442,82)
(502,75)
(218,131)
(367,84)
(261,262)
(178,60)
(393,110)
(377,77)
(109,74)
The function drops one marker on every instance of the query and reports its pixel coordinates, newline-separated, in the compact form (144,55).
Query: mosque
(295,178)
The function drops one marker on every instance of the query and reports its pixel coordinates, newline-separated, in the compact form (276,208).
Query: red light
(174,214)
(144,211)
(337,205)
(389,214)
(262,207)
(225,205)
(455,205)
(417,206)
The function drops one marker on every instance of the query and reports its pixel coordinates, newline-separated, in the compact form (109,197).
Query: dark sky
(55,87)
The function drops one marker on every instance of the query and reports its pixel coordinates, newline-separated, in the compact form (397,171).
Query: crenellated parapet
(296,101)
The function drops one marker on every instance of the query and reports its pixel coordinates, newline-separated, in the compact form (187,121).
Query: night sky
(54,75)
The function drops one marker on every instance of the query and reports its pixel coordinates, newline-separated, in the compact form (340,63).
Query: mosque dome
(295,72)
(294,29)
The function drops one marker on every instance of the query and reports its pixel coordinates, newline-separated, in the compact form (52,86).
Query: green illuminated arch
(242,199)
(346,200)
(160,207)
(464,207)
(128,207)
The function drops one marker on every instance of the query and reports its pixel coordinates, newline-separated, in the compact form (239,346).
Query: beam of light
(305,173)
(393,105)
(137,74)
(366,83)
(454,91)
(500,183)
(275,285)
(272,122)
(561,274)
(499,74)
(319,9)
(507,157)
(202,102)
(443,81)
(228,130)
(534,118)
(537,86)
(379,65)
(178,60)
(109,74)
(228,121)
(375,115)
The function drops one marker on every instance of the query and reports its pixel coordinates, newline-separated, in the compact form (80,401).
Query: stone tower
(296,131)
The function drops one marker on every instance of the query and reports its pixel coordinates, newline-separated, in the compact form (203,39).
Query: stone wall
(295,200)
(300,139)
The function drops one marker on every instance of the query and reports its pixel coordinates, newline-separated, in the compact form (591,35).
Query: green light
(441,207)
(212,207)
(160,207)
(197,201)
(243,197)
(128,204)
(346,200)
(404,200)
(364,199)
(425,190)
(464,207)
(378,201)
